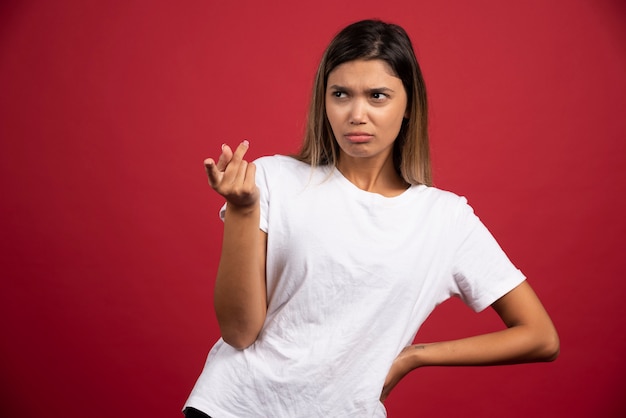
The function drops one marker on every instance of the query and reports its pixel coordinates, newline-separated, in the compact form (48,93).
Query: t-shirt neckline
(356,191)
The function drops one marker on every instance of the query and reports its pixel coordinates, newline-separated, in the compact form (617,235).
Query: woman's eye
(379,96)
(339,94)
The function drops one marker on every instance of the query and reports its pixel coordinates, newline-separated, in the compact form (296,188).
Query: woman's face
(365,105)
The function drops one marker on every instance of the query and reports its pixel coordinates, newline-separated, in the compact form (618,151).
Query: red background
(109,232)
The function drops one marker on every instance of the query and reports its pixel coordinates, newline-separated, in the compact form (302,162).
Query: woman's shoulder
(442,200)
(285,166)
(279,161)
(442,195)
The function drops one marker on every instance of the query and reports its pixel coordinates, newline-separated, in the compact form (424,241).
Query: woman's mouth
(358,137)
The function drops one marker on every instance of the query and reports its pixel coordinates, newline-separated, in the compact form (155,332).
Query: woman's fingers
(212,172)
(225,157)
(236,163)
(249,180)
(232,176)
(240,151)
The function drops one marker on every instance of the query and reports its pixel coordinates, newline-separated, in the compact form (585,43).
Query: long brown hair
(373,39)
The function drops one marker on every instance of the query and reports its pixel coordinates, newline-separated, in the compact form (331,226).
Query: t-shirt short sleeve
(481,269)
(261,179)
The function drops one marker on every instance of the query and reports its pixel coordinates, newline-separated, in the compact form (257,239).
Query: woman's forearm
(517,344)
(240,291)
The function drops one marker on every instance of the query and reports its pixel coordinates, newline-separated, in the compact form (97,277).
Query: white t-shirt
(351,276)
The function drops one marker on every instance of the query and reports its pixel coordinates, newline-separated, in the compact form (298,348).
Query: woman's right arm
(240,289)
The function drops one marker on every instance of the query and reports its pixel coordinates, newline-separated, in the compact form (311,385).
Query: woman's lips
(358,137)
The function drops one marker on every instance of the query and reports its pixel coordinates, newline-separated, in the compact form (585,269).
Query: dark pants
(194,413)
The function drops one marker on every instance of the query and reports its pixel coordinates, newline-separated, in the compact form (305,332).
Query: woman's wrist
(242,210)
(418,354)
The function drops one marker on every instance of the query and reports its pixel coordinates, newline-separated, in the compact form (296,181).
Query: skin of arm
(240,296)
(529,337)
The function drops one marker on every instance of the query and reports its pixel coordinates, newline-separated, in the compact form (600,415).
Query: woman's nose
(358,113)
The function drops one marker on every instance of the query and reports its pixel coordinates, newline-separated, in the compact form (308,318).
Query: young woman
(332,259)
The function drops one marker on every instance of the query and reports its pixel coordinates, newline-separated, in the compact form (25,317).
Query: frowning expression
(365,105)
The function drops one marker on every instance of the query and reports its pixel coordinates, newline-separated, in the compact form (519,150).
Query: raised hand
(233,177)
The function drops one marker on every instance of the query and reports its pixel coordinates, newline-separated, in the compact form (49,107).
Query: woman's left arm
(530,336)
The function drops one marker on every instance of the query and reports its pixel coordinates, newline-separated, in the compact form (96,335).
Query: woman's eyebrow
(380,90)
(369,90)
(338,87)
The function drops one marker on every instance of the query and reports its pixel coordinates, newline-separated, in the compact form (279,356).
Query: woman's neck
(372,175)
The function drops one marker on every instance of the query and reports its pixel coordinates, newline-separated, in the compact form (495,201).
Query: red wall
(109,232)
